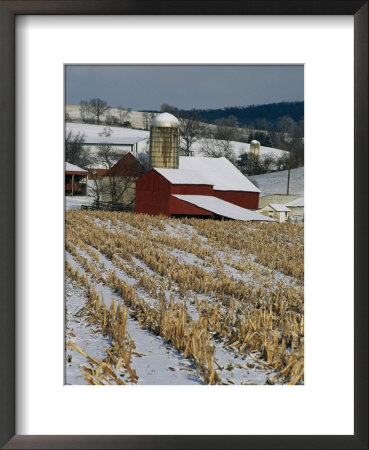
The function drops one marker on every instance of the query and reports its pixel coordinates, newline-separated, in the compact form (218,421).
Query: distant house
(297,208)
(75,180)
(276,211)
(203,187)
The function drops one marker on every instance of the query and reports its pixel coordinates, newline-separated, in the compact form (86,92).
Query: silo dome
(255,147)
(164,142)
(165,120)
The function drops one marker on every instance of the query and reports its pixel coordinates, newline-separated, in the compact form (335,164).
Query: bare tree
(286,125)
(123,114)
(170,109)
(217,148)
(75,150)
(105,158)
(219,142)
(96,188)
(261,124)
(268,161)
(226,129)
(191,130)
(97,108)
(106,132)
(124,189)
(109,186)
(147,118)
(110,119)
(84,110)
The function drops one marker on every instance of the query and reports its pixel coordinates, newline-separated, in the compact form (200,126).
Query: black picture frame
(8,12)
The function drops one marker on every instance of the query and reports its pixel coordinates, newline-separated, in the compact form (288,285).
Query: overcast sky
(186,87)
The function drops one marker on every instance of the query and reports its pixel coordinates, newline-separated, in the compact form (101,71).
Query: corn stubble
(111,322)
(262,317)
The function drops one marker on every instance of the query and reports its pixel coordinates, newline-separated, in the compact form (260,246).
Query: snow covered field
(276,182)
(135,117)
(120,134)
(77,201)
(152,300)
(92,131)
(238,148)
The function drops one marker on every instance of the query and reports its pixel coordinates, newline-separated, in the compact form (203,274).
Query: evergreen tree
(263,138)
(250,164)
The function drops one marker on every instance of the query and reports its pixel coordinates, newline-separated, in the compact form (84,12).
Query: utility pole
(289,171)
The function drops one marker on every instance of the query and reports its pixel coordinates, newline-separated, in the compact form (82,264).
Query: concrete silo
(255,148)
(164,142)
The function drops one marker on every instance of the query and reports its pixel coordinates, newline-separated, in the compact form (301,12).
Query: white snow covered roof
(165,120)
(72,168)
(298,202)
(219,172)
(279,208)
(181,176)
(222,208)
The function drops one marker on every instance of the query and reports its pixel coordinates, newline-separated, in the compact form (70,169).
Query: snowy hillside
(137,120)
(276,182)
(121,135)
(238,149)
(92,131)
(135,117)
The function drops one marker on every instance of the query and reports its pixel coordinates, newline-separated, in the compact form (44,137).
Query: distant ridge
(247,115)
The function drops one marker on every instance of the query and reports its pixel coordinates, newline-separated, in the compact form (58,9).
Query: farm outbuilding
(276,211)
(297,208)
(75,180)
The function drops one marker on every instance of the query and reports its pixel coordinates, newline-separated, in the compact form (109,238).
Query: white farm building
(123,140)
(297,208)
(276,211)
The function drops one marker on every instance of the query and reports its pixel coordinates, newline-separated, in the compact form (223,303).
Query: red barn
(206,187)
(130,165)
(75,180)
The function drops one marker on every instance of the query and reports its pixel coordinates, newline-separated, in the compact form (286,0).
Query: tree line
(261,117)
(92,111)
(219,141)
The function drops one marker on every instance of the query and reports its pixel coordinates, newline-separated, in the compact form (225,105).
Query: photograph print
(184,224)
